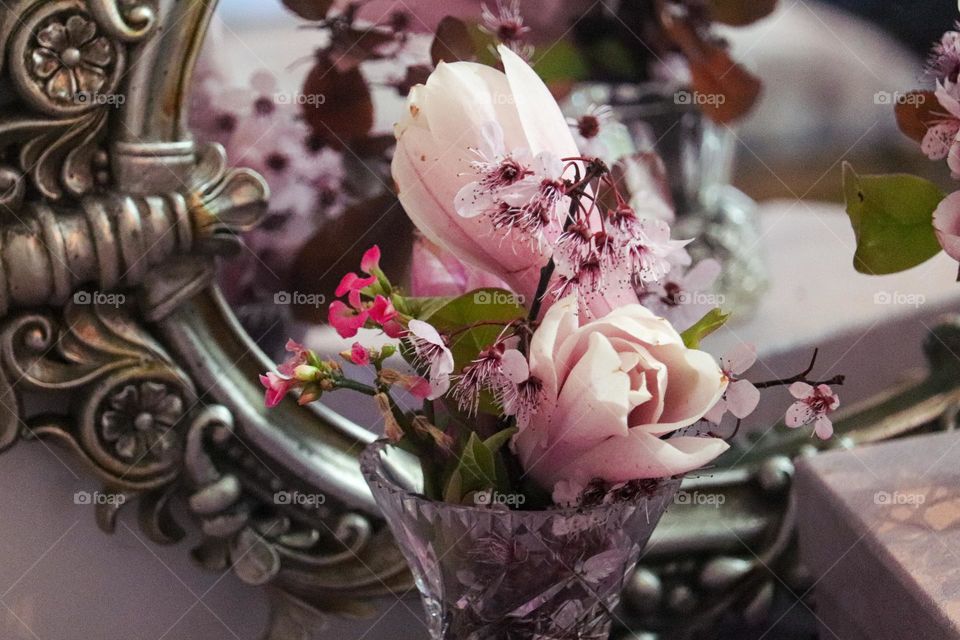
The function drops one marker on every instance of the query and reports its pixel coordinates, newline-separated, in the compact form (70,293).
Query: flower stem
(595,169)
(344,383)
(802,377)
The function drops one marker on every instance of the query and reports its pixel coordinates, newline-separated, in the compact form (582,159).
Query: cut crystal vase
(487,572)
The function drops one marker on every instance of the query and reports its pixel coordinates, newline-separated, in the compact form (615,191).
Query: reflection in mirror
(270,101)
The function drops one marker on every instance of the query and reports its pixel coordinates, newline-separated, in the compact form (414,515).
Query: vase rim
(372,468)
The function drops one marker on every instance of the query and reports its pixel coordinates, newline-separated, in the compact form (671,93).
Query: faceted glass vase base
(489,573)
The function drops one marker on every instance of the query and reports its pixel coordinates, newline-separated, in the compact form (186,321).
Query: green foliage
(892,217)
(493,307)
(713,320)
(560,62)
(479,467)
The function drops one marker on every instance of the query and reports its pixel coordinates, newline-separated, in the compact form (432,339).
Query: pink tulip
(466,111)
(437,272)
(608,392)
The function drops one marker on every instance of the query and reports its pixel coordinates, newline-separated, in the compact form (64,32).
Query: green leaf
(454,491)
(704,327)
(561,62)
(423,308)
(496,306)
(892,217)
(477,465)
(500,438)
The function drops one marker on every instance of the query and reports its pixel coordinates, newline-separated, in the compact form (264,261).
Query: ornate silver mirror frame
(111,219)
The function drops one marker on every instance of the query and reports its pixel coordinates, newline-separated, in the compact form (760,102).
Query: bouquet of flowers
(549,403)
(542,389)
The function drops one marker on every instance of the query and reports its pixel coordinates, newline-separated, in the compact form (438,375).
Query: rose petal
(636,456)
(593,402)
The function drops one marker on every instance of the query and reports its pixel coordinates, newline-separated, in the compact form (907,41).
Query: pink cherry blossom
(506,25)
(590,127)
(944,63)
(941,140)
(433,355)
(683,296)
(741,397)
(519,392)
(482,373)
(520,196)
(946,224)
(814,404)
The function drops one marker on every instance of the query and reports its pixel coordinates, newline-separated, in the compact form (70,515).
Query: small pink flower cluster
(351,316)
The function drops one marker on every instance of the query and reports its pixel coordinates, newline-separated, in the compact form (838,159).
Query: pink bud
(359,355)
(370,260)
